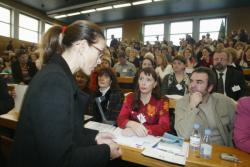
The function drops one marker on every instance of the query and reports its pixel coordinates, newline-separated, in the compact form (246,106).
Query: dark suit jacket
(234,78)
(50,129)
(17,72)
(6,101)
(111,105)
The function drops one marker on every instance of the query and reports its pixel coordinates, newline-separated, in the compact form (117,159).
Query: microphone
(104,119)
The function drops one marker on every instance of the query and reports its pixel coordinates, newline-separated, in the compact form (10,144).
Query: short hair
(212,80)
(221,51)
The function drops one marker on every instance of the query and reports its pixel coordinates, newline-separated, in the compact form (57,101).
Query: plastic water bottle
(206,147)
(195,140)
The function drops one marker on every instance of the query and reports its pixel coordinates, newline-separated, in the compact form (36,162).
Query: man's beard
(219,67)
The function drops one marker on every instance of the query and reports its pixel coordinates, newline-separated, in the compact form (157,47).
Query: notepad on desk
(169,148)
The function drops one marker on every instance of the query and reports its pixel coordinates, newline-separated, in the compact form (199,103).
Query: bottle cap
(196,126)
(207,132)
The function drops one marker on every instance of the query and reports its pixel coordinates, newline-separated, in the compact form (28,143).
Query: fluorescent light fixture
(122,5)
(104,8)
(60,16)
(73,14)
(88,11)
(141,2)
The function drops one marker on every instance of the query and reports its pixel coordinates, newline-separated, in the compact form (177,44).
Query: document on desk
(133,141)
(169,148)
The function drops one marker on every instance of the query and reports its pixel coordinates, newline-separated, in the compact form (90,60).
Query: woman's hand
(138,128)
(104,138)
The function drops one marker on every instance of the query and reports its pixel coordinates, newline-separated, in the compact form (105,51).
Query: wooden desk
(246,72)
(135,156)
(9,120)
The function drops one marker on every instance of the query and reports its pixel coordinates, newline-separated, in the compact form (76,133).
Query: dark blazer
(111,105)
(17,72)
(50,129)
(233,78)
(6,101)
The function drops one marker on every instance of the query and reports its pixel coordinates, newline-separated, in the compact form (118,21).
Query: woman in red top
(144,112)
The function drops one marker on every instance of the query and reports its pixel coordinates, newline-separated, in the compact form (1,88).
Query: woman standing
(144,112)
(50,129)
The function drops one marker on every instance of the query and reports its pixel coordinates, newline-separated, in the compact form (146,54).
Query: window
(28,28)
(211,26)
(5,21)
(46,27)
(153,32)
(178,31)
(117,32)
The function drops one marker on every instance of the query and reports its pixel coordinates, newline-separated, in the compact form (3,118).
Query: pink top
(242,125)
(155,112)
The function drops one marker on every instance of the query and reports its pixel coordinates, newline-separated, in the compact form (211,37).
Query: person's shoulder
(223,99)
(244,101)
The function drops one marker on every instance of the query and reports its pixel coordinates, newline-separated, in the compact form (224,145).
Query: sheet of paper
(168,156)
(100,126)
(133,141)
(20,93)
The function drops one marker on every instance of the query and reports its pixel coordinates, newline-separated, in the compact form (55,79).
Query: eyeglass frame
(99,50)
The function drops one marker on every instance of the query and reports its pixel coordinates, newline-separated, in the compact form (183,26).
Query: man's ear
(210,88)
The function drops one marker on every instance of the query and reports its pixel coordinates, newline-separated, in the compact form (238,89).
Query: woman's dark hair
(137,94)
(108,72)
(147,58)
(58,38)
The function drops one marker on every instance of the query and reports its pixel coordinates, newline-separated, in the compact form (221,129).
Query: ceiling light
(141,2)
(73,14)
(122,5)
(88,11)
(104,8)
(158,0)
(60,16)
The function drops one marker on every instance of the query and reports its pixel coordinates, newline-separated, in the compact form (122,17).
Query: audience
(144,112)
(211,110)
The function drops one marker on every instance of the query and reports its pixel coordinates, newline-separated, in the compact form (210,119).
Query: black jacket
(6,101)
(50,129)
(111,105)
(234,79)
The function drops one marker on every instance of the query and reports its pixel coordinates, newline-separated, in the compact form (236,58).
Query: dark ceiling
(162,8)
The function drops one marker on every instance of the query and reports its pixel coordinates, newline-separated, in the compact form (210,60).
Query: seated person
(178,81)
(211,110)
(230,81)
(6,100)
(241,125)
(144,112)
(23,70)
(113,97)
(124,67)
(82,81)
